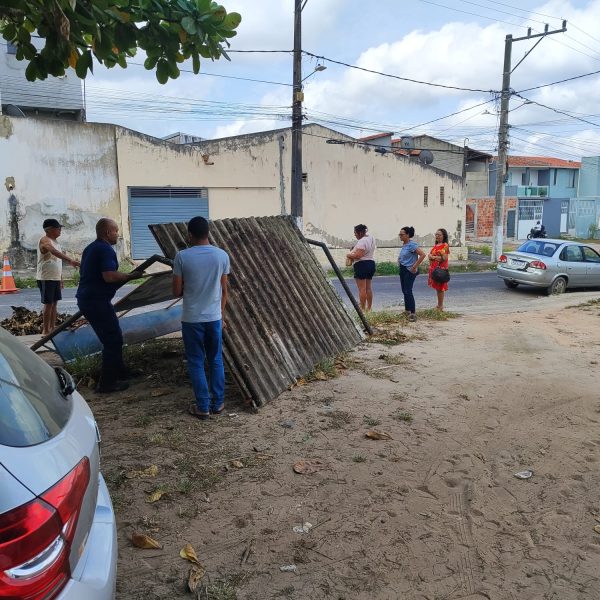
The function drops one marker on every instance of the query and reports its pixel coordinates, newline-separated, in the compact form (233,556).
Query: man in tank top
(49,271)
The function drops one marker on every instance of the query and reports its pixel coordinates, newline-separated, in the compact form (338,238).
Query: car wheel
(511,285)
(559,286)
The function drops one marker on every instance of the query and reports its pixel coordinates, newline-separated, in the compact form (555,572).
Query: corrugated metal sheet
(153,290)
(283,316)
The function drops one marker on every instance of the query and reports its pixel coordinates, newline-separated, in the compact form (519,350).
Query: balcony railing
(532,191)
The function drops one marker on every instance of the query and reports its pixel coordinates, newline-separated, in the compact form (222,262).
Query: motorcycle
(537,233)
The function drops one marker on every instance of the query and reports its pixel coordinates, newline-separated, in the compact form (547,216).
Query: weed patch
(406,417)
(370,421)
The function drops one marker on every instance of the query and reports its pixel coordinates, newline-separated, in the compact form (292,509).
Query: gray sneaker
(412,317)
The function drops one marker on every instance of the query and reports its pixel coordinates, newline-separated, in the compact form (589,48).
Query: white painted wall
(78,172)
(65,170)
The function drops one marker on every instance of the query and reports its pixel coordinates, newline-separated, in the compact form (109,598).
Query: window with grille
(442,195)
(425,196)
(530,210)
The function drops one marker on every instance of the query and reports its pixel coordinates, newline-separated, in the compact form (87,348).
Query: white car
(57,525)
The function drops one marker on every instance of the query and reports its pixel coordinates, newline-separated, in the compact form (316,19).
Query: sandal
(217,411)
(193,410)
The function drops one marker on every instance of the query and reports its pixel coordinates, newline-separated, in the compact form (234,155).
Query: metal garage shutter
(150,205)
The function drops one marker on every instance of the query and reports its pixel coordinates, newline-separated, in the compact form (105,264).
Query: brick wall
(484,214)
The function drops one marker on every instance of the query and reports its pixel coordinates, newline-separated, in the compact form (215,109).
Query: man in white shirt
(49,272)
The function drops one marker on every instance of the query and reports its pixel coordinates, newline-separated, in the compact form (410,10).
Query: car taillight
(503,258)
(537,264)
(35,539)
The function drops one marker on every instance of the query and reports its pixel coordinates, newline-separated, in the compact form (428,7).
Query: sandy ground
(434,513)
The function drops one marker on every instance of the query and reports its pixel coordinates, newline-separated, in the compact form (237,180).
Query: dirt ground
(434,513)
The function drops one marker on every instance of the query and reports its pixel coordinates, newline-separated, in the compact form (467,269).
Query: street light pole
(296,201)
(498,232)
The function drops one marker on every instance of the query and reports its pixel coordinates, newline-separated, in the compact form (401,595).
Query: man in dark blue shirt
(99,281)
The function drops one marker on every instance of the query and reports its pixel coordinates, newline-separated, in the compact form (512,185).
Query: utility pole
(297,98)
(498,233)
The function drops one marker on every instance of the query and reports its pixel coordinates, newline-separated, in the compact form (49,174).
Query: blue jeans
(407,279)
(203,341)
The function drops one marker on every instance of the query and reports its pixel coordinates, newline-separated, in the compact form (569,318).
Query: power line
(222,76)
(538,87)
(556,110)
(429,83)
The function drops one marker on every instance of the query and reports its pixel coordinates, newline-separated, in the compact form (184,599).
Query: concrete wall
(242,174)
(55,169)
(446,156)
(79,172)
(589,176)
(349,184)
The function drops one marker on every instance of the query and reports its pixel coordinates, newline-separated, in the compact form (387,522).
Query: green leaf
(196,62)
(150,62)
(189,25)
(162,71)
(232,20)
(31,72)
(203,5)
(83,64)
(173,70)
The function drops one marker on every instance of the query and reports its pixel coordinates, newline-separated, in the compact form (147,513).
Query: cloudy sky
(457,43)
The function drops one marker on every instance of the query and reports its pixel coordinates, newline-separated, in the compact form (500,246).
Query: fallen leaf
(264,456)
(195,577)
(151,471)
(238,464)
(306,467)
(373,434)
(597,529)
(301,381)
(320,376)
(155,496)
(159,392)
(189,553)
(139,540)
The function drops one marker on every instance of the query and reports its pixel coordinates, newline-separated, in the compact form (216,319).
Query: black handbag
(440,275)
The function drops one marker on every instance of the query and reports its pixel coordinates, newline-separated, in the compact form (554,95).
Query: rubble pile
(27,322)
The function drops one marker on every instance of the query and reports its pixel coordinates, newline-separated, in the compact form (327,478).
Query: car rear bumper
(95,576)
(536,277)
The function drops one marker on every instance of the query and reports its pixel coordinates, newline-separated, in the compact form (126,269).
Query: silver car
(57,525)
(551,264)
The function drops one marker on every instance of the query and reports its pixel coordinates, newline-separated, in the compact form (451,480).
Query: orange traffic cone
(8,281)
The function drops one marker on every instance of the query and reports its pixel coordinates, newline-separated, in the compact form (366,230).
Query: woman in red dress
(438,257)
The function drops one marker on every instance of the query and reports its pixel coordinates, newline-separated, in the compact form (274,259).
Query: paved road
(469,293)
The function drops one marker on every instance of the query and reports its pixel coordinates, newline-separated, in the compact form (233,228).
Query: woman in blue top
(411,256)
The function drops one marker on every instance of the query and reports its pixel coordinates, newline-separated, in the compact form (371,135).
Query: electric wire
(408,79)
(556,110)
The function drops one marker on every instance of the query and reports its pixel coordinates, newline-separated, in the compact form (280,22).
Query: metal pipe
(73,318)
(344,284)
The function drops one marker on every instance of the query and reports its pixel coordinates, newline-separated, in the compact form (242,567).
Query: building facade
(584,210)
(542,187)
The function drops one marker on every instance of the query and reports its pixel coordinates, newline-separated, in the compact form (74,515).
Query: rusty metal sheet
(154,290)
(283,315)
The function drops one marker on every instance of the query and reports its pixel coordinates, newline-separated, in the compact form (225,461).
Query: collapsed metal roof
(283,315)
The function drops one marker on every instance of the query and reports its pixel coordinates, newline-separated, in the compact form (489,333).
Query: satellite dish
(13,111)
(407,143)
(426,157)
